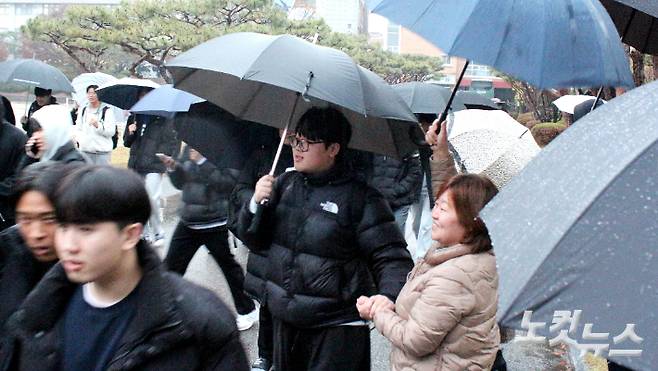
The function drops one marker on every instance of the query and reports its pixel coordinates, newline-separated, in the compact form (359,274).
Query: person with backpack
(96,127)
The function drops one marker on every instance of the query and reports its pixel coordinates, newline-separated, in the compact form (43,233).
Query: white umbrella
(123,93)
(491,143)
(567,103)
(81,82)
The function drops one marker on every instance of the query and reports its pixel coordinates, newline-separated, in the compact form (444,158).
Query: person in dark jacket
(43,97)
(421,210)
(27,250)
(147,135)
(50,132)
(399,182)
(12,143)
(109,304)
(203,216)
(258,165)
(7,111)
(330,238)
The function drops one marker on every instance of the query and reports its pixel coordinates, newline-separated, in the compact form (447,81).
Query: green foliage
(154,30)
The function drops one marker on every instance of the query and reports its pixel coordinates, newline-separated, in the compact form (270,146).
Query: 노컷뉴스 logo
(565,326)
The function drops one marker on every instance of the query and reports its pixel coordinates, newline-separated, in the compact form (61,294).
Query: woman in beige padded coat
(445,316)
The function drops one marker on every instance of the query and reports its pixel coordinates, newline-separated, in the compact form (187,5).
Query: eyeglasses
(302,144)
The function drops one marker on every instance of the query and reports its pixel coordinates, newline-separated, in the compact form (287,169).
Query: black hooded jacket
(330,238)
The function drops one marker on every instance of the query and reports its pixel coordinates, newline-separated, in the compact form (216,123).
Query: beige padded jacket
(445,315)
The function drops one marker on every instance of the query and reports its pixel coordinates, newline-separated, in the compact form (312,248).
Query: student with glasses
(330,238)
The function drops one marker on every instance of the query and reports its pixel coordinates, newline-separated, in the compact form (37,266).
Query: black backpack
(115,137)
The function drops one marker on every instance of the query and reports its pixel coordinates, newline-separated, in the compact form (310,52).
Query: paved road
(204,271)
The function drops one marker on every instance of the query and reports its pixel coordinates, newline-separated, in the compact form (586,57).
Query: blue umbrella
(549,44)
(165,101)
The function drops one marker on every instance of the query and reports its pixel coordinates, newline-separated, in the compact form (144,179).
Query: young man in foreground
(109,304)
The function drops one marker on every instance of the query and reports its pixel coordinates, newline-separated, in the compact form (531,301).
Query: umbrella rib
(585,210)
(251,100)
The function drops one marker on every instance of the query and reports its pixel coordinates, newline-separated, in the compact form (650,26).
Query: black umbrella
(577,229)
(636,21)
(226,141)
(474,100)
(428,98)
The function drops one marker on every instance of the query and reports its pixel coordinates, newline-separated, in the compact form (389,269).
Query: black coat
(331,239)
(12,147)
(19,273)
(158,136)
(35,107)
(67,154)
(177,325)
(398,181)
(258,165)
(206,191)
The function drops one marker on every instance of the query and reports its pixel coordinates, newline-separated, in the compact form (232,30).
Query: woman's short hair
(96,194)
(470,193)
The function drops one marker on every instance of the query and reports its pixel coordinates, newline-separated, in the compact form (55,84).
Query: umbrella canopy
(474,100)
(81,82)
(124,93)
(549,44)
(577,229)
(428,98)
(260,78)
(34,72)
(585,107)
(636,21)
(219,136)
(568,103)
(165,101)
(491,143)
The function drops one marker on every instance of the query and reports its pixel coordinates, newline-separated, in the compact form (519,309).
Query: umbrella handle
(444,114)
(284,135)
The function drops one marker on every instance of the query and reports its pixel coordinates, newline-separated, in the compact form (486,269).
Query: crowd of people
(83,287)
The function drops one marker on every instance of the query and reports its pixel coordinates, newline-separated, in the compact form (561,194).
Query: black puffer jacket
(398,181)
(12,145)
(177,325)
(19,273)
(331,239)
(158,136)
(66,154)
(206,191)
(258,165)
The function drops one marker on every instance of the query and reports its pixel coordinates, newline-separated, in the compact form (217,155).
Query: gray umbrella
(262,78)
(423,97)
(577,229)
(34,72)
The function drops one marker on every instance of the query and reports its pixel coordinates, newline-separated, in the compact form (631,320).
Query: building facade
(478,78)
(344,16)
(16,13)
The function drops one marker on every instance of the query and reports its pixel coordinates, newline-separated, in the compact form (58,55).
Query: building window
(5,9)
(447,60)
(393,38)
(478,70)
(50,8)
(28,9)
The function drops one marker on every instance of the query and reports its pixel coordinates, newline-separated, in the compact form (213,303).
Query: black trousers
(265,333)
(184,244)
(345,348)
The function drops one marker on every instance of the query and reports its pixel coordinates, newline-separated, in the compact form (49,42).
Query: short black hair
(326,124)
(97,194)
(43,177)
(91,86)
(426,117)
(41,92)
